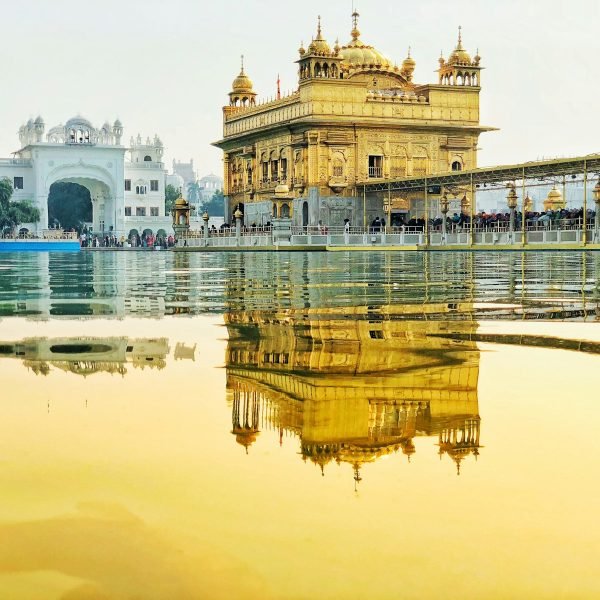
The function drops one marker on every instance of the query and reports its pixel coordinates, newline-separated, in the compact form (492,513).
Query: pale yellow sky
(166,67)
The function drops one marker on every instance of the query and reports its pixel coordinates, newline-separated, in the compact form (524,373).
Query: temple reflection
(354,390)
(88,355)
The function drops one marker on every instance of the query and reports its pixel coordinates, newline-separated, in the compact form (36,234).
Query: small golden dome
(242,83)
(319,45)
(554,194)
(460,56)
(409,64)
(180,202)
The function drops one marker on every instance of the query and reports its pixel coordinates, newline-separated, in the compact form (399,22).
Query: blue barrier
(39,245)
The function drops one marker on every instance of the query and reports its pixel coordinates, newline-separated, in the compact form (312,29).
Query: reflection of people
(346,231)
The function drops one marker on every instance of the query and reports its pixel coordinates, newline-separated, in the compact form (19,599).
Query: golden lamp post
(597,215)
(444,207)
(512,201)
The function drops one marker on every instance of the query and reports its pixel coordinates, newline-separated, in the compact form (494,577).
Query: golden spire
(242,69)
(355,32)
(459,47)
(319,36)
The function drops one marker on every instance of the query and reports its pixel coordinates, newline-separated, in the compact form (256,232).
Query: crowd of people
(135,240)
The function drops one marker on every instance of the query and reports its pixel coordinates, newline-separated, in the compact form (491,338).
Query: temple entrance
(304,214)
(81,203)
(69,206)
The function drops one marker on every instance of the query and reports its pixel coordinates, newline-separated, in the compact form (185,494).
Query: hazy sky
(166,66)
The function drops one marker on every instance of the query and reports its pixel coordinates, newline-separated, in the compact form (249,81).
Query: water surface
(319,425)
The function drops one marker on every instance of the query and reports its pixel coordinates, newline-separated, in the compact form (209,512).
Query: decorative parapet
(397,97)
(233,113)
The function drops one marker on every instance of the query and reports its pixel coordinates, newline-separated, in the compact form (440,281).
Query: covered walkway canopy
(492,176)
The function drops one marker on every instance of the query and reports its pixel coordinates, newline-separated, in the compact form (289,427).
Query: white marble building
(126,184)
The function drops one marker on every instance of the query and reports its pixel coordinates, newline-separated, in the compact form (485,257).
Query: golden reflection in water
(353,390)
(131,486)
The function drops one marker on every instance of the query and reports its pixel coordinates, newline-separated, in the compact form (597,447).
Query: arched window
(274,210)
(285,210)
(457,165)
(147,158)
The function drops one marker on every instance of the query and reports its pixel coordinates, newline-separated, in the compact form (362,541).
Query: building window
(140,211)
(140,189)
(128,211)
(456,166)
(274,170)
(18,183)
(147,158)
(375,166)
(154,185)
(265,172)
(154,211)
(284,169)
(128,185)
(419,166)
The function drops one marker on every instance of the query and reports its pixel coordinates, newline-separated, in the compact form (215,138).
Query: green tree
(193,192)
(69,205)
(171,194)
(13,213)
(215,207)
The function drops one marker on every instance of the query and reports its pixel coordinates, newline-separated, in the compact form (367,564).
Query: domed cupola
(459,56)
(408,66)
(459,69)
(358,55)
(318,61)
(319,45)
(242,90)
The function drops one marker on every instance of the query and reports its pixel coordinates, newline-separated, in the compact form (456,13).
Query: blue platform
(39,246)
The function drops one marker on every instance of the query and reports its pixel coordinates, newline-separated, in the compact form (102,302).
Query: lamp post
(512,201)
(205,218)
(238,224)
(597,215)
(444,206)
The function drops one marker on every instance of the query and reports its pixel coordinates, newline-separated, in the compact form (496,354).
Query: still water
(319,425)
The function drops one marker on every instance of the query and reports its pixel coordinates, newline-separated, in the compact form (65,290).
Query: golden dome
(319,45)
(554,201)
(460,56)
(358,54)
(408,64)
(180,202)
(242,84)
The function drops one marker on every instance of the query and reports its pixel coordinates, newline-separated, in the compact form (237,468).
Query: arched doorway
(69,206)
(62,199)
(304,214)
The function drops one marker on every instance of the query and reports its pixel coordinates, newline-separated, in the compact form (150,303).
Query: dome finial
(242,69)
(319,27)
(355,32)
(459,47)
(409,52)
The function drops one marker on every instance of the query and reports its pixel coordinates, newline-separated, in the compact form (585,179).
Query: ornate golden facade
(354,390)
(356,117)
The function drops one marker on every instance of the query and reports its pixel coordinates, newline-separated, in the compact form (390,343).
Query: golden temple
(355,117)
(353,391)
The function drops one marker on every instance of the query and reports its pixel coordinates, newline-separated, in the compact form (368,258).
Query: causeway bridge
(522,229)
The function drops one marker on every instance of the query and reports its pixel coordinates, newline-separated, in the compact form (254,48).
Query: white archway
(100,184)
